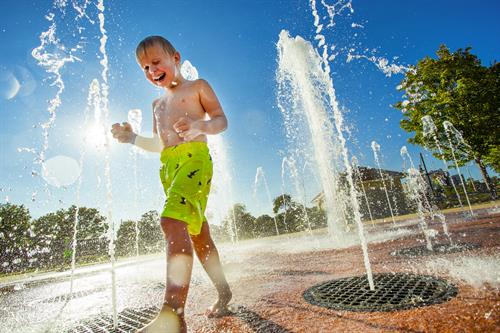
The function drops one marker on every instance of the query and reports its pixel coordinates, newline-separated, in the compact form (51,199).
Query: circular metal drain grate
(129,320)
(392,292)
(421,250)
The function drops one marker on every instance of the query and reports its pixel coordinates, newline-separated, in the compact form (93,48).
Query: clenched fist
(188,129)
(123,133)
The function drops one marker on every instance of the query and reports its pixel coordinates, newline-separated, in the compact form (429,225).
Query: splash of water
(52,55)
(381,63)
(304,80)
(93,101)
(299,187)
(306,89)
(299,68)
(135,120)
(471,179)
(451,130)
(221,193)
(394,199)
(430,130)
(337,8)
(107,172)
(339,121)
(415,189)
(188,71)
(419,189)
(357,174)
(260,175)
(376,152)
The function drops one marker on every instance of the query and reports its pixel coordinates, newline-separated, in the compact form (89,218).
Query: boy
(182,119)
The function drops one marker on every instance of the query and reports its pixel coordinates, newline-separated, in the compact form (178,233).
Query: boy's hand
(123,133)
(188,129)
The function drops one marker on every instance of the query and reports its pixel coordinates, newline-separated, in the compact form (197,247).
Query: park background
(233,46)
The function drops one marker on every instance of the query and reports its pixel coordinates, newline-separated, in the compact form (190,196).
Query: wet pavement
(269,278)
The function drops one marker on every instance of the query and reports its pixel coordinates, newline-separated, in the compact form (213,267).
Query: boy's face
(160,68)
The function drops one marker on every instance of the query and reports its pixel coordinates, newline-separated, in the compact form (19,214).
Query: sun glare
(95,136)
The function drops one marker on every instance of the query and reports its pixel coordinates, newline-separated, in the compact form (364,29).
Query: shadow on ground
(256,322)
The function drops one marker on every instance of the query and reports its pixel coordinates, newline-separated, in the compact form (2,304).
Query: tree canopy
(15,235)
(455,87)
(48,240)
(53,233)
(243,221)
(289,216)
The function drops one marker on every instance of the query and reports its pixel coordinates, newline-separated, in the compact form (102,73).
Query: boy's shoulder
(199,83)
(198,86)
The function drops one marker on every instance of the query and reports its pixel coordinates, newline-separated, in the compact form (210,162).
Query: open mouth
(159,78)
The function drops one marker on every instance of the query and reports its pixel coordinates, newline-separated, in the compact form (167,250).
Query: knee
(176,236)
(179,247)
(204,248)
(202,242)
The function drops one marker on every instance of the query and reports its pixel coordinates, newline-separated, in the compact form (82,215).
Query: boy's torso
(184,101)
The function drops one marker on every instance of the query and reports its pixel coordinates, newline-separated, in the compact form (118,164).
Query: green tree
(281,202)
(455,87)
(243,221)
(14,237)
(126,238)
(91,224)
(151,238)
(264,226)
(219,233)
(53,235)
(293,216)
(317,217)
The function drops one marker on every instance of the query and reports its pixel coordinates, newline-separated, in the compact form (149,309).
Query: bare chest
(170,109)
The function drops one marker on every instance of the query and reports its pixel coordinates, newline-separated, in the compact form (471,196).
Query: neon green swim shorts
(186,173)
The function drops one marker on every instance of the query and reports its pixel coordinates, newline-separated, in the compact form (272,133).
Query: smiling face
(160,67)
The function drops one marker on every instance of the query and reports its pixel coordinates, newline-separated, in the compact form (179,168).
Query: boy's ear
(177,57)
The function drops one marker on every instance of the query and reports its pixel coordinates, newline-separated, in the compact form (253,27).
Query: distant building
(375,193)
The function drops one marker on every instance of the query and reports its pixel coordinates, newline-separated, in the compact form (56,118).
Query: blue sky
(233,46)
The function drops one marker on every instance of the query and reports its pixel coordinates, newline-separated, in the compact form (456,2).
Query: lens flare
(9,85)
(60,171)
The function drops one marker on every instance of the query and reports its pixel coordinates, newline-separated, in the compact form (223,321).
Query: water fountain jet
(418,192)
(135,120)
(357,174)
(303,83)
(449,130)
(430,130)
(299,188)
(376,151)
(260,175)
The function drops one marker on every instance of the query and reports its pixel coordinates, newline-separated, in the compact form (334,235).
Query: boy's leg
(209,257)
(179,268)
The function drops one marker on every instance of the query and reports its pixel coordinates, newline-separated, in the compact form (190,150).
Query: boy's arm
(154,144)
(218,121)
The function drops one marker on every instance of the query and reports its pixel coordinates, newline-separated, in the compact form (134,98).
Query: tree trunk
(487,179)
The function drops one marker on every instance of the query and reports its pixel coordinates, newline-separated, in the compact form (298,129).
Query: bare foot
(219,308)
(167,321)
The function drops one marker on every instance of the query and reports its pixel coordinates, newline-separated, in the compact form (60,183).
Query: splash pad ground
(269,277)
(272,301)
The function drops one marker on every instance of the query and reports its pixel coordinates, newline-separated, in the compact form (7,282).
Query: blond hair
(150,41)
